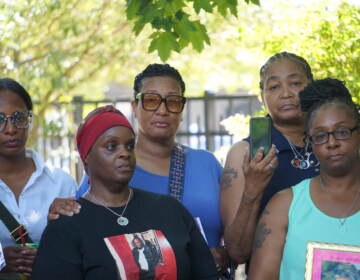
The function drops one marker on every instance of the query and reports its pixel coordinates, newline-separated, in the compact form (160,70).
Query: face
(337,156)
(12,139)
(160,124)
(112,158)
(137,243)
(282,83)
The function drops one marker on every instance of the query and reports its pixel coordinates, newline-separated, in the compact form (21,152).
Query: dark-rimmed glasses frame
(20,119)
(167,100)
(323,137)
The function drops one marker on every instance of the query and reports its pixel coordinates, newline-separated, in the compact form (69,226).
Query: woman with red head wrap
(98,242)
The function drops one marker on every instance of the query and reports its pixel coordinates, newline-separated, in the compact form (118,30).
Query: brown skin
(156,138)
(244,181)
(15,171)
(340,188)
(110,165)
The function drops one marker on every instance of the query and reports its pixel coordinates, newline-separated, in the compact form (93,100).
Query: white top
(142,259)
(43,187)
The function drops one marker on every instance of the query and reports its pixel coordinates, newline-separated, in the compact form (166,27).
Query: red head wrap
(95,124)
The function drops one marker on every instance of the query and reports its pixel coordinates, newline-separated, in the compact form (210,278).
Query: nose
(287,92)
(162,108)
(124,153)
(9,127)
(332,142)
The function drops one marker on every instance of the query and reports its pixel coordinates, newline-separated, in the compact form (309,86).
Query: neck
(146,147)
(14,164)
(348,182)
(293,132)
(111,199)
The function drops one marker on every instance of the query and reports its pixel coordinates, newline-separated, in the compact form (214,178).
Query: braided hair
(326,92)
(158,70)
(298,60)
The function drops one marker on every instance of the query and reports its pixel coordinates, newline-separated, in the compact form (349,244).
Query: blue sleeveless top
(307,223)
(285,174)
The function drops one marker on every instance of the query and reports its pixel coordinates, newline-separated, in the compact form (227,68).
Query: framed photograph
(327,261)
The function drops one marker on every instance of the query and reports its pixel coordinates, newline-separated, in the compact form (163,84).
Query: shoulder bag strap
(177,172)
(17,231)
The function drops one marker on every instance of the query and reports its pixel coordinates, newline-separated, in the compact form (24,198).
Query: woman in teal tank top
(325,208)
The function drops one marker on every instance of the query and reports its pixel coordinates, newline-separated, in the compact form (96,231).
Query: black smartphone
(260,135)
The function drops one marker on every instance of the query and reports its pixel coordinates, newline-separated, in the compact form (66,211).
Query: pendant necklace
(347,213)
(301,161)
(121,220)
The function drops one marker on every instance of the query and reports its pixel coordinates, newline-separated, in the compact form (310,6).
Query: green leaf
(138,27)
(202,4)
(256,2)
(132,8)
(164,43)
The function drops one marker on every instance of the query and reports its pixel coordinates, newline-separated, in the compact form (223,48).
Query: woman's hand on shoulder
(63,206)
(258,172)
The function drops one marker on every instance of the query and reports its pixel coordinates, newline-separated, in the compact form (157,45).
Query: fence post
(209,120)
(78,103)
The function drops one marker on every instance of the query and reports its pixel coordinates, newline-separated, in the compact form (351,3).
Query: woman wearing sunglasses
(163,166)
(27,185)
(323,209)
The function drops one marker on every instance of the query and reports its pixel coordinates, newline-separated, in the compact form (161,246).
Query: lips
(288,107)
(160,124)
(335,157)
(13,143)
(125,168)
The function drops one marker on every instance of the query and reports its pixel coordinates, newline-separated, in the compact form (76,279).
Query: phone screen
(260,135)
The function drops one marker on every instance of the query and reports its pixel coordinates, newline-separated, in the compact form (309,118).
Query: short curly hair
(157,70)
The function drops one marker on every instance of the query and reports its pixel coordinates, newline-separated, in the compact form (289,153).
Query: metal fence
(200,127)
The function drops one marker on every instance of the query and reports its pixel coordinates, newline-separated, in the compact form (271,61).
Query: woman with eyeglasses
(164,166)
(324,209)
(27,185)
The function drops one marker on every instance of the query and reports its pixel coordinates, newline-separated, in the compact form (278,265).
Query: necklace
(301,161)
(121,220)
(347,213)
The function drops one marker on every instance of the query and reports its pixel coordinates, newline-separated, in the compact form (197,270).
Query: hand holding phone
(260,135)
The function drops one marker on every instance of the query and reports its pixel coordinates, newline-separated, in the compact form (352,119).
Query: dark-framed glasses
(341,133)
(152,101)
(20,119)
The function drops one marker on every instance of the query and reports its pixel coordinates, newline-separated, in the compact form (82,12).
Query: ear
(134,106)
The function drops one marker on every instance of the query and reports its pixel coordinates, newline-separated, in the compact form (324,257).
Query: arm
(242,186)
(270,238)
(59,255)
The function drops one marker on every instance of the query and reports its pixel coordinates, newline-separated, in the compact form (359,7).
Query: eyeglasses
(18,119)
(341,133)
(152,101)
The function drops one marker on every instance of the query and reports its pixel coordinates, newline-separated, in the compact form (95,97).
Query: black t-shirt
(92,246)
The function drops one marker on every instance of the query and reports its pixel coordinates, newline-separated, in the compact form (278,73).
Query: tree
(53,47)
(329,40)
(177,23)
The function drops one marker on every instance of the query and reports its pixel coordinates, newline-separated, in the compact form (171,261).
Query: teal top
(307,223)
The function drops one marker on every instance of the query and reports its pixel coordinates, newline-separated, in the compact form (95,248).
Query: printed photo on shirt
(143,255)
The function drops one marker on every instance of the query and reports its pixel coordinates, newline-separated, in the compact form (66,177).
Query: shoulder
(199,154)
(155,200)
(281,201)
(196,156)
(238,150)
